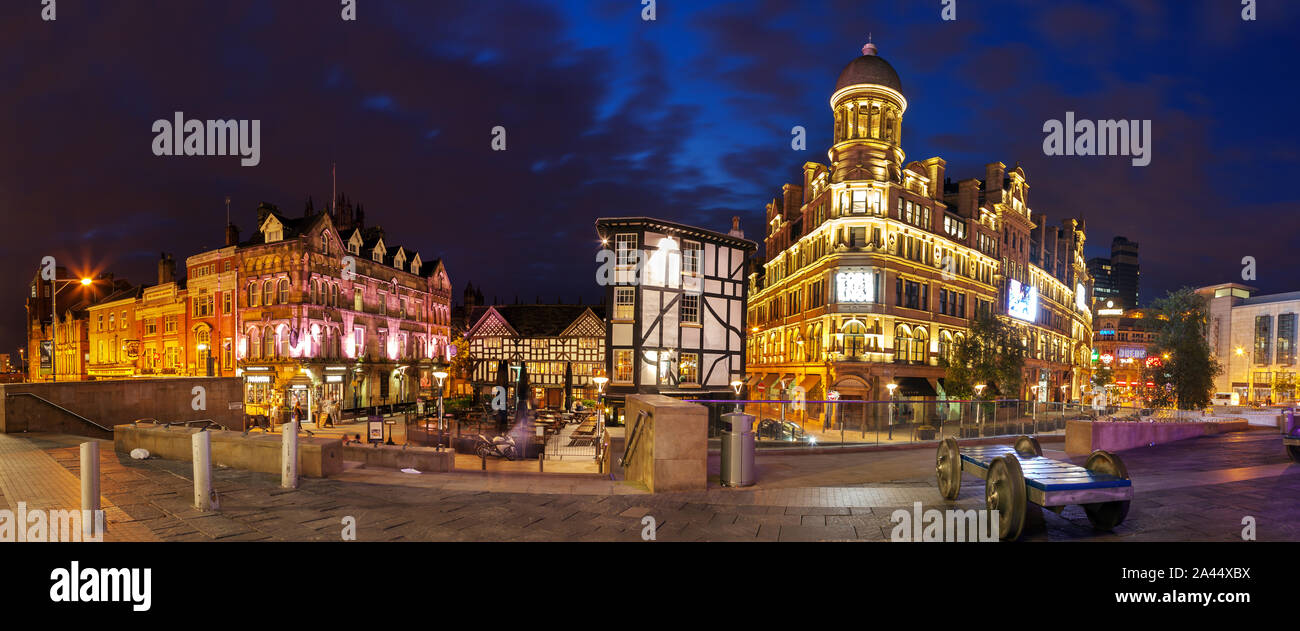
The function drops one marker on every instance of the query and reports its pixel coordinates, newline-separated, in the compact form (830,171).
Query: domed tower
(868,104)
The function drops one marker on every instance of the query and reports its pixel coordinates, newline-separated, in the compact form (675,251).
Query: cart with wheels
(1018,475)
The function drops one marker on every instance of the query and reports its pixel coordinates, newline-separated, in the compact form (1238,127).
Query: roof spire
(869,49)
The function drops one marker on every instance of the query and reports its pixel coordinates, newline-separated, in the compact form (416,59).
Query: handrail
(630,448)
(57,406)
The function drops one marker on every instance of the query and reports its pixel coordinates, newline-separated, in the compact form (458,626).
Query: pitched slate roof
(542,320)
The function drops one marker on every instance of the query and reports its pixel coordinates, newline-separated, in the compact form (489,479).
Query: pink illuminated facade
(330,311)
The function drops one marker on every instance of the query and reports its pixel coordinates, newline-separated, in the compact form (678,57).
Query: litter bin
(737,450)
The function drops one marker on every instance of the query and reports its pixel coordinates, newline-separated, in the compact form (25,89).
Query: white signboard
(855,287)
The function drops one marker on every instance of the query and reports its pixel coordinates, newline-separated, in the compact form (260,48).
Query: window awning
(915,387)
(810,382)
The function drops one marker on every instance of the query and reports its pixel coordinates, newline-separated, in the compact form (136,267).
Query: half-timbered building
(553,341)
(677,296)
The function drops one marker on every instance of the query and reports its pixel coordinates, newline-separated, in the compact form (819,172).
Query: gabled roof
(536,320)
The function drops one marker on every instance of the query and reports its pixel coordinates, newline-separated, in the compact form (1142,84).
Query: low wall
(423,459)
(671,448)
(317,457)
(113,402)
(1082,437)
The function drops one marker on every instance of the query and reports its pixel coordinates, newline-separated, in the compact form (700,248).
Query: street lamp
(736,384)
(600,381)
(891,386)
(55,283)
(440,375)
(979,392)
(1034,389)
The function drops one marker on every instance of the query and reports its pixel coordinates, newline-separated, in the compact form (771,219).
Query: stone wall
(1082,437)
(317,457)
(113,402)
(422,459)
(671,446)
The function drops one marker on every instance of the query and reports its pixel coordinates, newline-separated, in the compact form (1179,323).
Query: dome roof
(869,69)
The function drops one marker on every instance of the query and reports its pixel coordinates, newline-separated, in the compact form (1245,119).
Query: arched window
(902,342)
(268,342)
(252,294)
(254,344)
(945,345)
(920,346)
(334,294)
(855,337)
(282,332)
(325,242)
(284,291)
(268,292)
(315,292)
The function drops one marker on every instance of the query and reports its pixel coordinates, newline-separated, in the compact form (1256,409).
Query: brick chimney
(232,234)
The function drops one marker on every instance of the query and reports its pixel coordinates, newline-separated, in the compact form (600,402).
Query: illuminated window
(252,294)
(688,369)
(284,291)
(624,303)
(623,365)
(268,293)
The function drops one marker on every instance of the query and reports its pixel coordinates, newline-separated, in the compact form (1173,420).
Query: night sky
(686,118)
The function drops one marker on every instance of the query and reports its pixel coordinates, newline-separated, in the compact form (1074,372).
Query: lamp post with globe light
(600,381)
(440,375)
(979,392)
(891,386)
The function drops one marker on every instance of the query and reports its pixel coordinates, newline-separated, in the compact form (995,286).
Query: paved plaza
(1198,490)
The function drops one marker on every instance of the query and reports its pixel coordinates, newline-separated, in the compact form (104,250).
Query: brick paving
(1196,490)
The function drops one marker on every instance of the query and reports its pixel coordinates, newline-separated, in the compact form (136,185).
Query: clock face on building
(854,287)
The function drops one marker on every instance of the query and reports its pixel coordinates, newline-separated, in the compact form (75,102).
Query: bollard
(90,488)
(289,456)
(201,445)
(483,459)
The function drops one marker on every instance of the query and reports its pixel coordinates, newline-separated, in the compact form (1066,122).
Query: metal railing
(58,407)
(629,449)
(852,422)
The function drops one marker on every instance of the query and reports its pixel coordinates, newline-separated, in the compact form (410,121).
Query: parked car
(773,429)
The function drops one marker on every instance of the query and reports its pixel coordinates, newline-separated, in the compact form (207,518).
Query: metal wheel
(947,468)
(1004,491)
(1106,515)
(1027,446)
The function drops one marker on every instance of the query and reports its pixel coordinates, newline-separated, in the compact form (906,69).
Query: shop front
(259,390)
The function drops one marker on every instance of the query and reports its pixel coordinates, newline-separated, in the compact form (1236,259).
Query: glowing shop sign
(855,287)
(1080,297)
(1022,301)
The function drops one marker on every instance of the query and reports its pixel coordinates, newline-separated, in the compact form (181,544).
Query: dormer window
(378,255)
(354,248)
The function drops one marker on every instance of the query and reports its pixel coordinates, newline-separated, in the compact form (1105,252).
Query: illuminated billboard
(855,287)
(1022,301)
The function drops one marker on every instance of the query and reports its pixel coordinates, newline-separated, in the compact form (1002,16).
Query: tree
(991,354)
(1183,367)
(461,362)
(1103,376)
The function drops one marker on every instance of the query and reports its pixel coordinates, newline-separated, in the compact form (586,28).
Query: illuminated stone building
(875,265)
(115,335)
(70,356)
(1254,339)
(163,317)
(1120,342)
(329,309)
(212,279)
